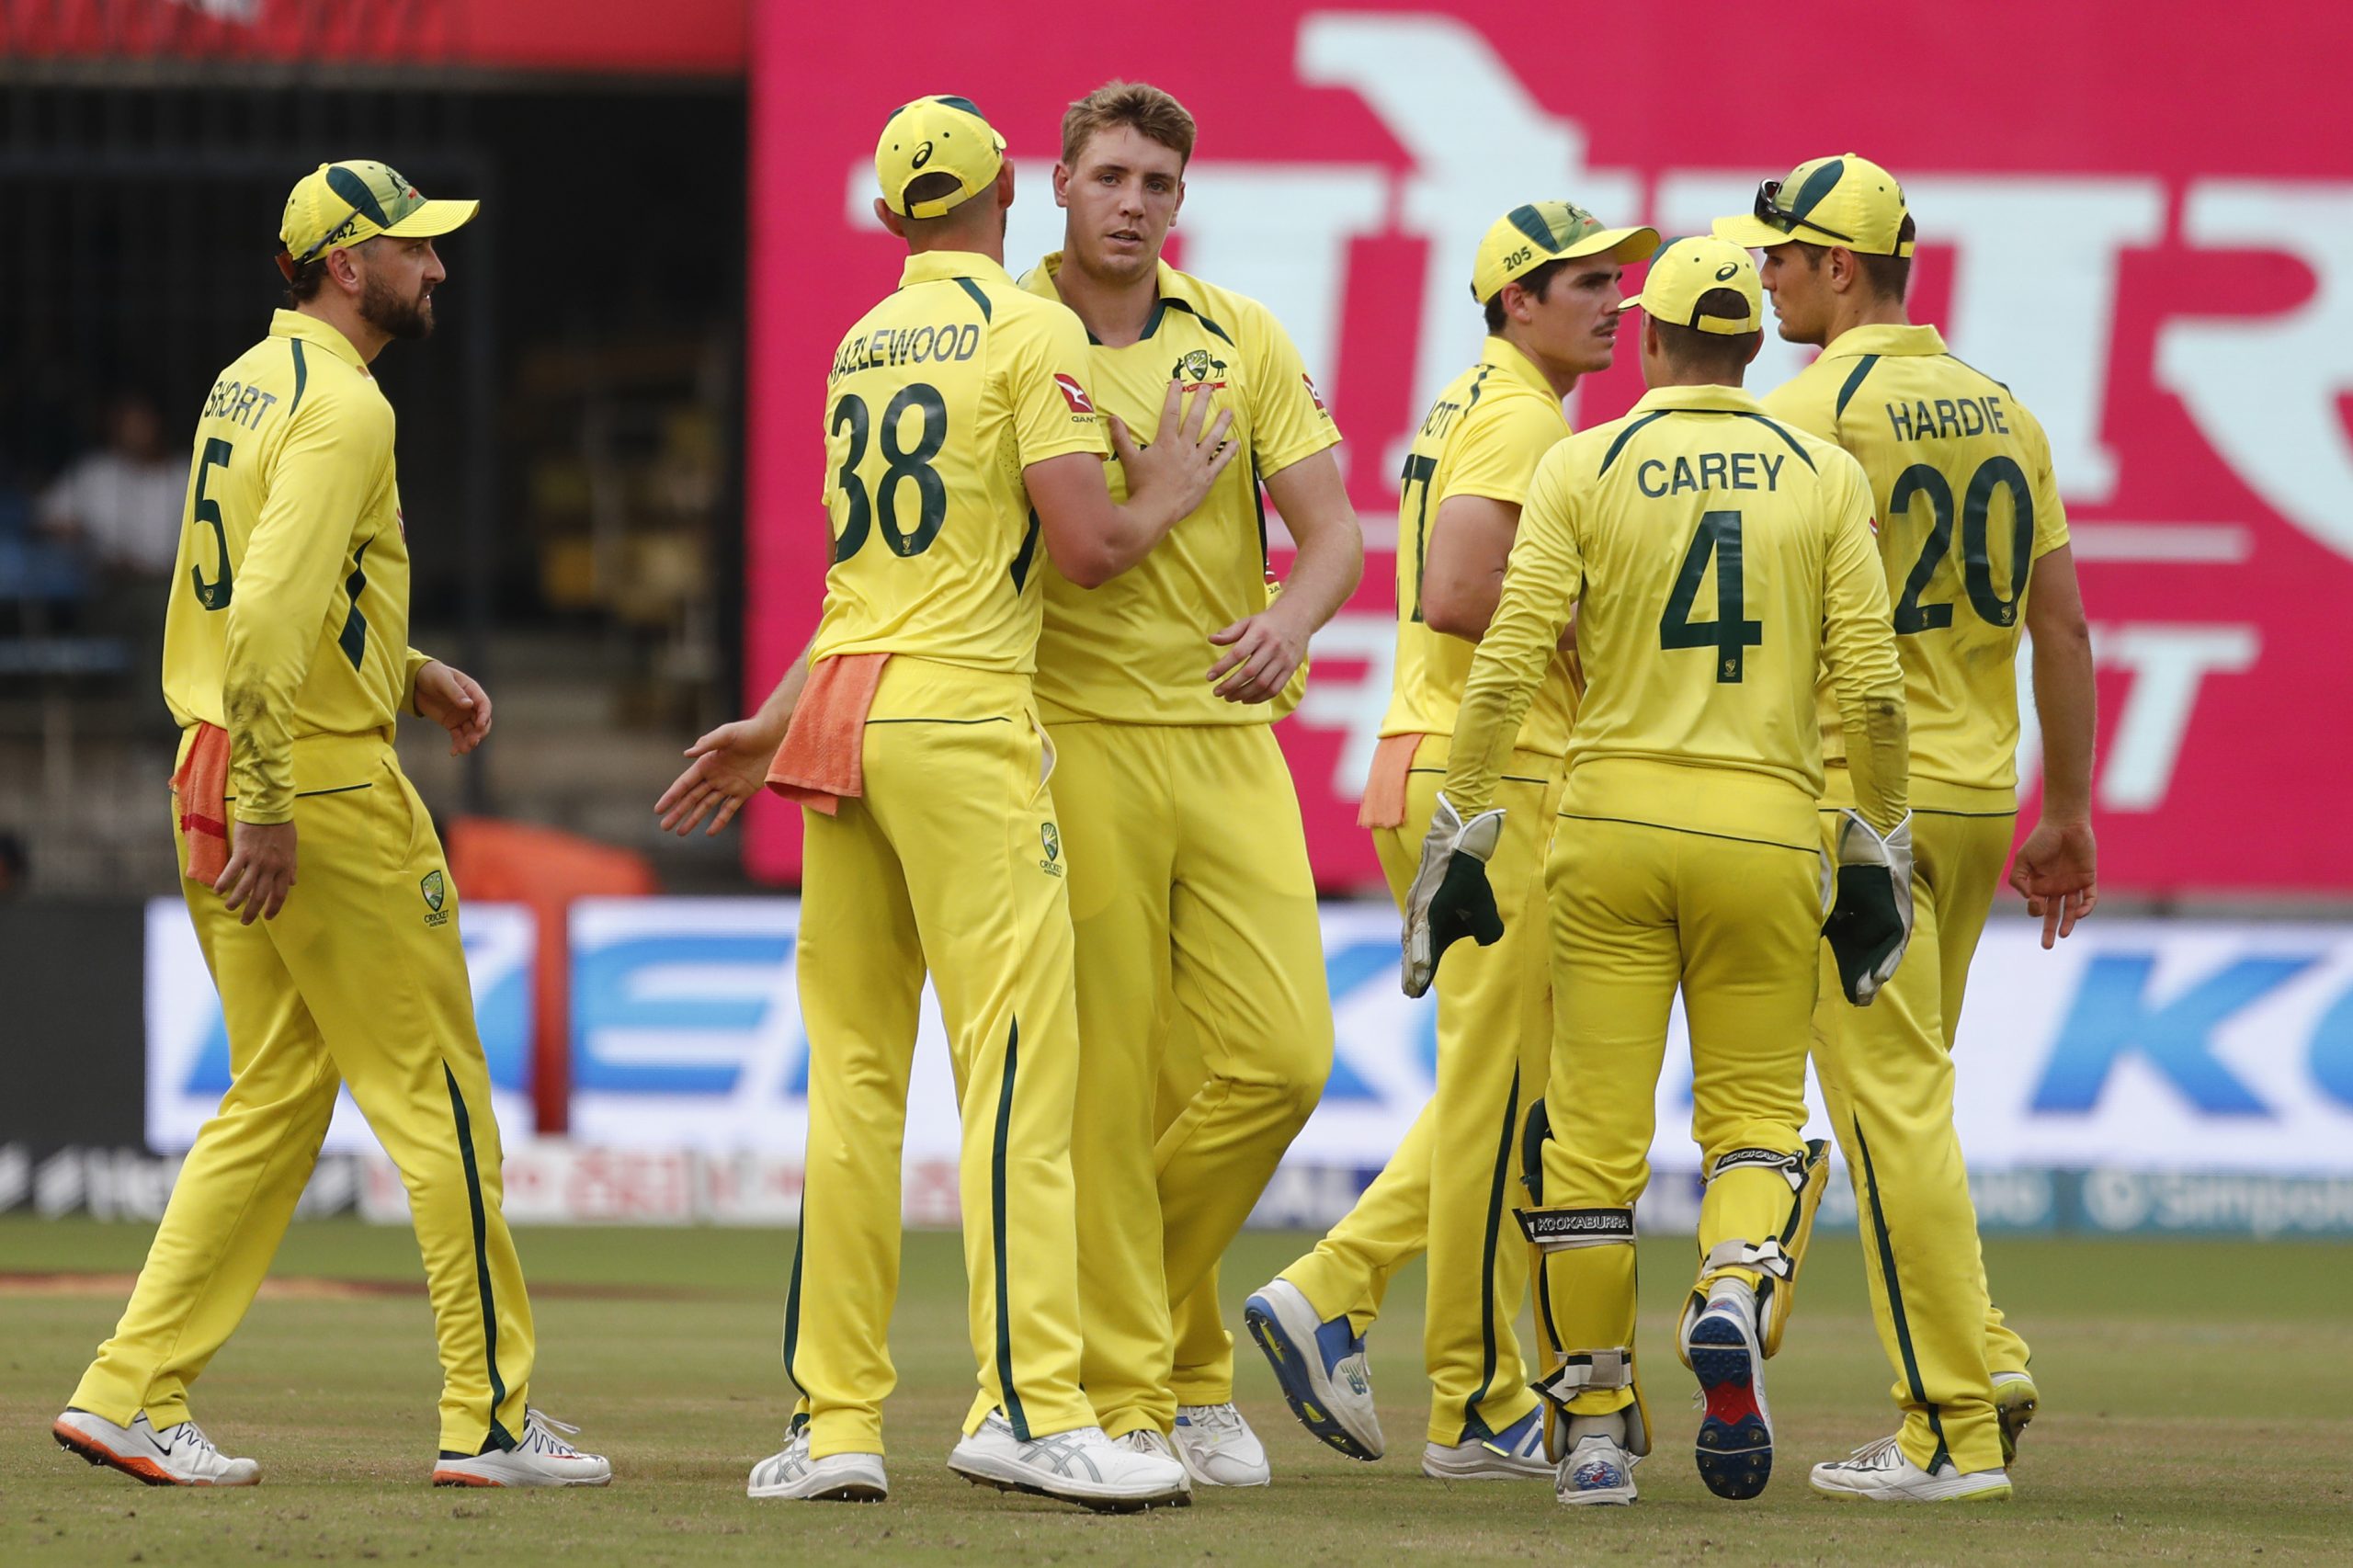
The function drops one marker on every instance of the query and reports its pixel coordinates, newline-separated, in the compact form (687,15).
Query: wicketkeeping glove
(1450,898)
(1870,915)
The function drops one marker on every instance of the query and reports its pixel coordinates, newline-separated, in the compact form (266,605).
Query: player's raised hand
(2057,870)
(456,701)
(260,871)
(1184,459)
(730,767)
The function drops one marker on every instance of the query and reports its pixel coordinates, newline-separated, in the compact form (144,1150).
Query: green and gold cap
(1845,201)
(1689,269)
(1542,231)
(344,204)
(938,135)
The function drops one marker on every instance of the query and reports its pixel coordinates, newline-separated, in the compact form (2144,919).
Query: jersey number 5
(910,464)
(1728,634)
(214,595)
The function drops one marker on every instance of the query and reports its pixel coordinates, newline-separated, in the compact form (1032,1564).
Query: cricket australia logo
(1197,368)
(1052,838)
(436,891)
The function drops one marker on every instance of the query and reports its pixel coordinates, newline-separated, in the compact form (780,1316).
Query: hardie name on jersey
(1919,421)
(907,346)
(1710,471)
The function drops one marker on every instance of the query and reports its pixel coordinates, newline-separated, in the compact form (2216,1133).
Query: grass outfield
(2196,1407)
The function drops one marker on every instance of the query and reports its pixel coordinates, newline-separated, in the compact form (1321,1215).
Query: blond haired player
(1201,996)
(1714,559)
(1546,275)
(1969,515)
(285,661)
(962,451)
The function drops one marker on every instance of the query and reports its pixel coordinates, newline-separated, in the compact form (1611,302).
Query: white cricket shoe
(1733,1450)
(1598,1472)
(1080,1466)
(1218,1447)
(540,1458)
(1881,1472)
(1148,1440)
(2015,1399)
(1516,1453)
(1320,1366)
(181,1455)
(838,1478)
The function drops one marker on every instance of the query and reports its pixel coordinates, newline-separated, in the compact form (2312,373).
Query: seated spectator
(121,503)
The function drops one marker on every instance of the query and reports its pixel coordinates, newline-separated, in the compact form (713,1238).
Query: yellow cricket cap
(1845,201)
(1693,267)
(938,135)
(1529,237)
(344,204)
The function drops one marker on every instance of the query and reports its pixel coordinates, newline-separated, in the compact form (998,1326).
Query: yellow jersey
(938,398)
(1715,558)
(1960,475)
(1481,437)
(289,614)
(1137,650)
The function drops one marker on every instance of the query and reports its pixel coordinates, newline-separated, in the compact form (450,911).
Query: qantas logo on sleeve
(1316,395)
(1074,394)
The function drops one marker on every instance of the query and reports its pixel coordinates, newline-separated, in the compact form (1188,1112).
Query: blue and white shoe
(1735,1449)
(1598,1472)
(1321,1366)
(1516,1453)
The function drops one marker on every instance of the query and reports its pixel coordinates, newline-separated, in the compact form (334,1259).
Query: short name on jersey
(1947,417)
(239,404)
(1710,471)
(907,346)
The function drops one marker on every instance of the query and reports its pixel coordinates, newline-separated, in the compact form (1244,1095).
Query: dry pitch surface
(2197,1408)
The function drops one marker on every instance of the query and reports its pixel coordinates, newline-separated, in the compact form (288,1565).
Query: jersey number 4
(902,465)
(1729,634)
(1976,562)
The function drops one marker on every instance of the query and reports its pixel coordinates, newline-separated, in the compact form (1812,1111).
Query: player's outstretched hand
(1263,652)
(1183,461)
(730,767)
(2057,872)
(260,871)
(456,701)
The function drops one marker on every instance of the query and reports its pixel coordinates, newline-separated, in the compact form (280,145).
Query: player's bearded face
(396,293)
(1122,193)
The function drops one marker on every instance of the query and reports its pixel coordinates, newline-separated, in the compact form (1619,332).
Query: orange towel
(1384,791)
(822,759)
(202,785)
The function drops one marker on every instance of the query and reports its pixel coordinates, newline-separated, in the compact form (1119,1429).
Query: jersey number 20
(902,465)
(1729,634)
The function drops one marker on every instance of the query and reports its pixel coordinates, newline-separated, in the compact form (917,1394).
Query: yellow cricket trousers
(1638,911)
(951,863)
(1207,1031)
(1455,1178)
(361,981)
(1887,1082)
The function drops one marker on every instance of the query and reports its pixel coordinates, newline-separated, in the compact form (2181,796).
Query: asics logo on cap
(1727,272)
(923,156)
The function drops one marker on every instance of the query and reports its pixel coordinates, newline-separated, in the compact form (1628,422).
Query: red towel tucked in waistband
(202,785)
(1384,791)
(821,761)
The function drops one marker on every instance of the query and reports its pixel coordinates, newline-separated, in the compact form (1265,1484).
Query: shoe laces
(1224,1417)
(1875,1453)
(540,1431)
(189,1434)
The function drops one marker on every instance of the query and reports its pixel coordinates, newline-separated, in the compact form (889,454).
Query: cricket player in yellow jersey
(1203,1003)
(1969,515)
(960,442)
(1547,275)
(287,663)
(1714,559)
